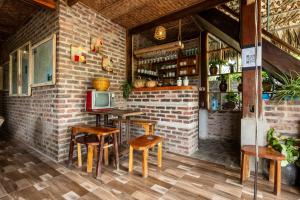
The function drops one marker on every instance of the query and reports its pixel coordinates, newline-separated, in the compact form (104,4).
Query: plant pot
(213,70)
(267,86)
(289,174)
(240,87)
(229,105)
(223,86)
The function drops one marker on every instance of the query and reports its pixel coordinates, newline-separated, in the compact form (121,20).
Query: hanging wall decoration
(97,45)
(107,64)
(78,54)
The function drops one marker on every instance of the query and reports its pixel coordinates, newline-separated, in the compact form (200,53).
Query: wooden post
(203,71)
(129,56)
(159,155)
(247,33)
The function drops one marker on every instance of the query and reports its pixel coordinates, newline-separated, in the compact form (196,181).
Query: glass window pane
(43,62)
(25,69)
(14,67)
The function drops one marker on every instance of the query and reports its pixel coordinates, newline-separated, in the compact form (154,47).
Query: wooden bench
(101,133)
(275,158)
(143,143)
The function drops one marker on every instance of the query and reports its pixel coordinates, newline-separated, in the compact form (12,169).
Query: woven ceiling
(131,13)
(283,20)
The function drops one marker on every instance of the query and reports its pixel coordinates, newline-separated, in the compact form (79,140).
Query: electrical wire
(256,100)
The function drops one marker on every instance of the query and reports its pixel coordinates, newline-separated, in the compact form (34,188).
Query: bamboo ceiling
(283,20)
(131,13)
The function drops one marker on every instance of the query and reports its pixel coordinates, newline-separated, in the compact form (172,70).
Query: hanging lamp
(160,33)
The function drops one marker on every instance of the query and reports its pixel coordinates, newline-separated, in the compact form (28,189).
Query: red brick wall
(284,117)
(42,119)
(176,113)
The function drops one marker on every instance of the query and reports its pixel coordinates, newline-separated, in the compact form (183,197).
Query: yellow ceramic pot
(101,84)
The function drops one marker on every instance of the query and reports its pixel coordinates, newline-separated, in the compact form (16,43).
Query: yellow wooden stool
(143,143)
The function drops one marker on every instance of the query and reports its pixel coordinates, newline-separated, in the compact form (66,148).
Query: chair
(143,143)
(263,152)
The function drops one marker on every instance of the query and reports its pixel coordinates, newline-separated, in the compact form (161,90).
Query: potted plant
(213,69)
(127,88)
(266,82)
(231,100)
(238,77)
(223,84)
(287,146)
(289,88)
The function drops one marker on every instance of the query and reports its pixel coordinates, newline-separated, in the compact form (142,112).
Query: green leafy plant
(290,87)
(232,97)
(286,145)
(265,76)
(236,76)
(222,78)
(127,88)
(216,62)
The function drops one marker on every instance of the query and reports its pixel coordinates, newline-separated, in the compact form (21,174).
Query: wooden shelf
(172,69)
(225,74)
(224,92)
(216,50)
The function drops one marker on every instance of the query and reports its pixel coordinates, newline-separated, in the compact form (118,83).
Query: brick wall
(224,125)
(42,119)
(284,117)
(176,112)
(76,26)
(30,119)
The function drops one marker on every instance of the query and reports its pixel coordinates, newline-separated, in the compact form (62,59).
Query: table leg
(116,150)
(277,182)
(79,157)
(145,163)
(98,119)
(159,155)
(71,148)
(272,171)
(120,129)
(130,164)
(127,131)
(100,157)
(90,156)
(105,120)
(244,168)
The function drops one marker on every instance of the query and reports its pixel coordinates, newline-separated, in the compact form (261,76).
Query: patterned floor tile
(23,183)
(71,196)
(159,189)
(40,186)
(46,177)
(89,186)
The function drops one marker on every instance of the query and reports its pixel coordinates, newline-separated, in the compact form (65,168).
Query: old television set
(96,100)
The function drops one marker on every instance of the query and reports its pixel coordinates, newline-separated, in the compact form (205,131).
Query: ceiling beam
(6,29)
(1,3)
(72,2)
(199,7)
(47,4)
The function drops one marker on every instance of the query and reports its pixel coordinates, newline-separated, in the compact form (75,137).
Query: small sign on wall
(248,57)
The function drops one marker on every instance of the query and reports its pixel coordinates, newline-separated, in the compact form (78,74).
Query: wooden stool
(148,125)
(263,152)
(143,143)
(101,133)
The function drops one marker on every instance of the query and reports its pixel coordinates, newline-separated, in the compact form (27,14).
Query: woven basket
(101,84)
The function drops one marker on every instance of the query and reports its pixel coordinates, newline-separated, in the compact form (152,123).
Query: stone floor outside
(25,174)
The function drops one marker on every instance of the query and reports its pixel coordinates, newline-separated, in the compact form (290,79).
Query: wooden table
(120,113)
(275,158)
(101,132)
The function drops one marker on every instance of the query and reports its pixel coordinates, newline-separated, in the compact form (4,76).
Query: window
(44,61)
(19,71)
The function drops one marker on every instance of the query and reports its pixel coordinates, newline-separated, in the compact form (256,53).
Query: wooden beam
(1,3)
(6,29)
(47,4)
(199,7)
(248,39)
(72,2)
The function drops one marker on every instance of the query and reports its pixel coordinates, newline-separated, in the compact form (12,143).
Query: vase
(213,70)
(223,86)
(289,174)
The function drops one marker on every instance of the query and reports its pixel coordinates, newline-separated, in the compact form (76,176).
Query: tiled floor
(224,152)
(24,174)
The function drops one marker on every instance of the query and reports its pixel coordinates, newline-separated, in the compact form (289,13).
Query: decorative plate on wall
(97,45)
(78,54)
(107,64)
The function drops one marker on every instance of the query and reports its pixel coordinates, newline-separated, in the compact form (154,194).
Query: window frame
(53,81)
(19,71)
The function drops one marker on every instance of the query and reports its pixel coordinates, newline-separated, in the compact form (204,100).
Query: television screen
(101,100)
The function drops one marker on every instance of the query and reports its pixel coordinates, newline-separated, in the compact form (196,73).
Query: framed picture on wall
(44,62)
